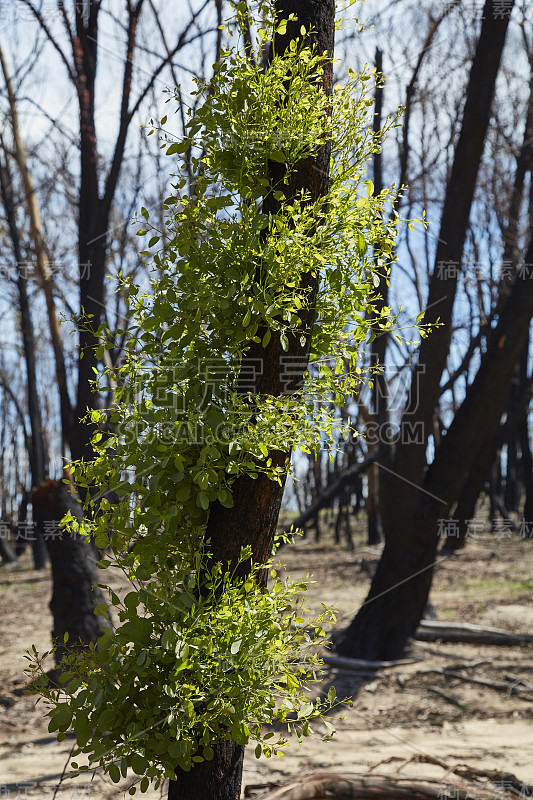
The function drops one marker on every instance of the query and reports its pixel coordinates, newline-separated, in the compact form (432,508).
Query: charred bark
(7,554)
(400,588)
(218,779)
(36,449)
(413,497)
(73,569)
(527,467)
(253,518)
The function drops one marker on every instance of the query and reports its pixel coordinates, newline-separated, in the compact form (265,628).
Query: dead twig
(499,685)
(516,679)
(450,698)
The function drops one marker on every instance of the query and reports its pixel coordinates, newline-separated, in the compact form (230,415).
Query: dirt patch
(402,719)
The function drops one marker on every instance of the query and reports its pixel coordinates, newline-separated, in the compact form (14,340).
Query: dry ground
(398,720)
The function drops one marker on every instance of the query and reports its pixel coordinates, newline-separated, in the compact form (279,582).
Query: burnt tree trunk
(7,553)
(73,569)
(410,508)
(378,347)
(470,492)
(218,779)
(375,530)
(525,442)
(527,466)
(486,467)
(253,518)
(398,595)
(513,474)
(36,449)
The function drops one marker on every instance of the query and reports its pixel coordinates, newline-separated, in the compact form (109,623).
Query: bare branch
(40,19)
(126,116)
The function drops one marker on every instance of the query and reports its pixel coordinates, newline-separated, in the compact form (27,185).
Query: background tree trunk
(73,569)
(410,509)
(36,449)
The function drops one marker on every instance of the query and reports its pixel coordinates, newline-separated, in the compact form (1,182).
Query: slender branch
(40,19)
(125,115)
(179,46)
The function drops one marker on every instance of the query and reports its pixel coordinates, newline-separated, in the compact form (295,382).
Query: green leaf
(178,147)
(131,600)
(187,599)
(225,499)
(139,764)
(182,493)
(240,733)
(141,658)
(62,716)
(168,640)
(106,640)
(203,500)
(235,646)
(101,610)
(306,709)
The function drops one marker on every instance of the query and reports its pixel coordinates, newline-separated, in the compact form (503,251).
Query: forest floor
(406,719)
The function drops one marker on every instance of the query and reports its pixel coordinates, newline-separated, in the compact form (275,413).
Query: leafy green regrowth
(203,652)
(185,669)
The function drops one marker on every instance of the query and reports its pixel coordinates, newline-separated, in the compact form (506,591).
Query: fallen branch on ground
(503,779)
(450,698)
(357,664)
(478,662)
(496,776)
(506,686)
(360,674)
(322,785)
(516,679)
(433,631)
